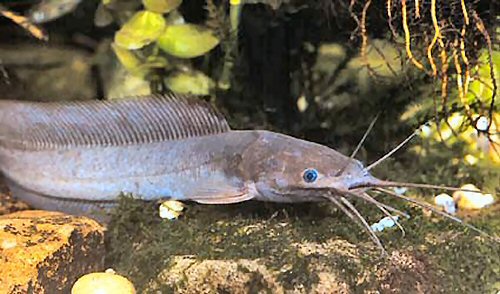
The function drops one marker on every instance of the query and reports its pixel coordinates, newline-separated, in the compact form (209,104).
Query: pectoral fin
(225,199)
(221,192)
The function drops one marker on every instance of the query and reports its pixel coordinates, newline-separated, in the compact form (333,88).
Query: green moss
(141,245)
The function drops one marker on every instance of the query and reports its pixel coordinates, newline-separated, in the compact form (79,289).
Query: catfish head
(280,168)
(287,169)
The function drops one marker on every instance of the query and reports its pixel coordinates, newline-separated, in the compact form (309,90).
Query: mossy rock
(308,248)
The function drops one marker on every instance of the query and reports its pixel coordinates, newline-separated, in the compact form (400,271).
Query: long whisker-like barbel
(354,215)
(435,210)
(390,153)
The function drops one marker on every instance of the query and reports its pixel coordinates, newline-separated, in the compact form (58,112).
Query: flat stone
(322,273)
(46,252)
(189,275)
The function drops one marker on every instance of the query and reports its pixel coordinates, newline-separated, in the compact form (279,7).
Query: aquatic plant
(441,41)
(155,43)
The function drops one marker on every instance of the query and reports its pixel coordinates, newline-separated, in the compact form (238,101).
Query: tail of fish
(98,210)
(14,118)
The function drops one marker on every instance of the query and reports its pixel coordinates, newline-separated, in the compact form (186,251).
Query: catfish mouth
(300,194)
(366,181)
(340,185)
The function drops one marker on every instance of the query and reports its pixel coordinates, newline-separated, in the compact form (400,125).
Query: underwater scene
(249,146)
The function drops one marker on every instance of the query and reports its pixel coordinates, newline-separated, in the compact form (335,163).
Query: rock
(472,200)
(107,282)
(171,209)
(189,275)
(45,252)
(446,202)
(386,222)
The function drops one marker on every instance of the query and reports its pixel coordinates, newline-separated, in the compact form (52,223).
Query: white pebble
(472,200)
(99,283)
(488,199)
(171,209)
(400,190)
(426,131)
(386,222)
(167,213)
(446,201)
(377,227)
(482,123)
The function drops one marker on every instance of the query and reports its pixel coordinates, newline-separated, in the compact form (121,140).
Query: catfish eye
(310,175)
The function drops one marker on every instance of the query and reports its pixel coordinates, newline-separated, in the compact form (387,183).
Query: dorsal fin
(134,120)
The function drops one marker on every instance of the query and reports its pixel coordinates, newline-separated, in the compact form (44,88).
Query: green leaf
(126,57)
(194,82)
(156,62)
(143,28)
(482,88)
(161,6)
(129,61)
(187,40)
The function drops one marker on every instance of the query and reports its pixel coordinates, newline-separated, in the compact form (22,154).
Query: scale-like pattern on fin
(134,120)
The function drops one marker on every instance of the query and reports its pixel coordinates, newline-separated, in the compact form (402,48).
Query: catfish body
(149,170)
(78,156)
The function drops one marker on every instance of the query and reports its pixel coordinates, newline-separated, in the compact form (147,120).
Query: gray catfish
(77,157)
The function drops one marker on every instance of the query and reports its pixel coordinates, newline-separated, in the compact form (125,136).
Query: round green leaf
(126,57)
(129,61)
(187,40)
(140,30)
(161,6)
(194,82)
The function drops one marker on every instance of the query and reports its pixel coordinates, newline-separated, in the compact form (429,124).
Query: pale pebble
(446,201)
(400,190)
(377,227)
(387,222)
(98,283)
(472,200)
(167,213)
